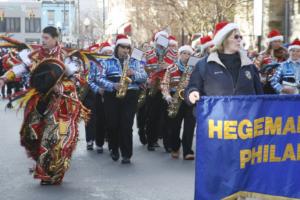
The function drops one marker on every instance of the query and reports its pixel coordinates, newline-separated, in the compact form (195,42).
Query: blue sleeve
(276,78)
(92,78)
(104,82)
(140,75)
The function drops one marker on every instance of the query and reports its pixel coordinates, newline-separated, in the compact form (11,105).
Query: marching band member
(8,61)
(286,79)
(174,82)
(158,59)
(141,115)
(50,129)
(120,78)
(95,128)
(275,50)
(205,44)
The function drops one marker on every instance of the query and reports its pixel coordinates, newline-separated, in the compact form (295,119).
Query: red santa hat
(221,31)
(274,35)
(105,46)
(205,42)
(94,47)
(161,33)
(294,45)
(172,40)
(267,60)
(123,40)
(186,48)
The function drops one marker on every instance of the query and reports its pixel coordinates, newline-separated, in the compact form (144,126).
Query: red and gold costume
(157,64)
(49,131)
(172,78)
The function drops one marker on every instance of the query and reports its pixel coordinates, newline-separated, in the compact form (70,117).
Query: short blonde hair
(221,47)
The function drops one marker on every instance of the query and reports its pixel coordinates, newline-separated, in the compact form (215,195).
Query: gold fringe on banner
(243,194)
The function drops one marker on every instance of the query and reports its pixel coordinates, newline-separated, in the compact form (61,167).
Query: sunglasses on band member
(238,37)
(125,47)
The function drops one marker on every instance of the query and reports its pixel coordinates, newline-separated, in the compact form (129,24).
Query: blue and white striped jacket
(94,76)
(112,69)
(288,70)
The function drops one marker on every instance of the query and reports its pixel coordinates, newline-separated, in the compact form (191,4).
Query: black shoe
(99,149)
(90,146)
(126,161)
(150,147)
(45,182)
(143,137)
(9,106)
(115,155)
(156,144)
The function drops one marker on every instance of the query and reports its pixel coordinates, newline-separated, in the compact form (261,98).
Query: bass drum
(46,75)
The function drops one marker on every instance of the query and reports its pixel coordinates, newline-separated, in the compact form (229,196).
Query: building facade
(295,19)
(21,20)
(283,15)
(61,14)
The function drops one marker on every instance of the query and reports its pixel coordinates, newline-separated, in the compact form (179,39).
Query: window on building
(65,15)
(33,25)
(2,26)
(10,24)
(32,41)
(51,17)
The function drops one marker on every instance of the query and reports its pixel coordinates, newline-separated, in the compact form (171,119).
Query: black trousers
(13,85)
(119,115)
(100,120)
(141,118)
(157,121)
(185,114)
(94,129)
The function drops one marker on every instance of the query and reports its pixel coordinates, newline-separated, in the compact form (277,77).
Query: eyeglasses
(238,37)
(186,53)
(125,47)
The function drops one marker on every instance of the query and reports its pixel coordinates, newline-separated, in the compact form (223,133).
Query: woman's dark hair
(52,31)
(117,49)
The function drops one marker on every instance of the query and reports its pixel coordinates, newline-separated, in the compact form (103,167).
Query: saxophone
(124,81)
(178,96)
(142,98)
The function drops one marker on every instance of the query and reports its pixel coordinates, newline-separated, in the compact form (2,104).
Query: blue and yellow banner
(248,146)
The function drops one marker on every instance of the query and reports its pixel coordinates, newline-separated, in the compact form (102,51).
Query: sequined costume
(49,131)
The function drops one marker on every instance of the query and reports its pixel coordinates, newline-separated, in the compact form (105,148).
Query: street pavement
(151,176)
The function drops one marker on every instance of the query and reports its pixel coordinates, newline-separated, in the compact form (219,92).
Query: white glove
(169,99)
(194,96)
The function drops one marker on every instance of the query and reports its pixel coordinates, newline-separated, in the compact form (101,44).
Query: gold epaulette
(10,75)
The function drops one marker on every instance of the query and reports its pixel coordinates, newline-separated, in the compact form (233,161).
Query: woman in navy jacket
(226,71)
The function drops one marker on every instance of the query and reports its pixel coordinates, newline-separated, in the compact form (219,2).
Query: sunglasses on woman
(125,47)
(238,37)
